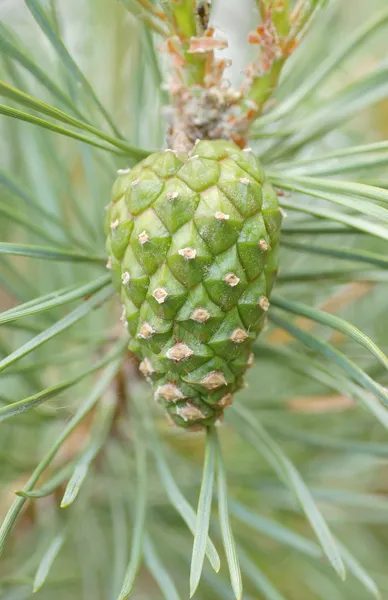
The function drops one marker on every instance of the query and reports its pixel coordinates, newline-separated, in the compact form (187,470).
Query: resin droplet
(179,352)
(263,303)
(214,380)
(146,331)
(188,253)
(231,279)
(201,315)
(146,367)
(160,295)
(189,412)
(239,336)
(143,238)
(220,216)
(225,400)
(168,392)
(125,278)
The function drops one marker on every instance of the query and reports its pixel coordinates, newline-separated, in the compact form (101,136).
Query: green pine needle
(82,411)
(203,514)
(261,440)
(47,560)
(178,500)
(139,519)
(226,529)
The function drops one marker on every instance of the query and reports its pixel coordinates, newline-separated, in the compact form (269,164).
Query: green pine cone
(193,248)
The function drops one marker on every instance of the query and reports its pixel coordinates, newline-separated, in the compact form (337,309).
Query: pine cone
(193,247)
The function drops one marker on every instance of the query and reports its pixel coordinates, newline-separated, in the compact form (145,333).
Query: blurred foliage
(316,393)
